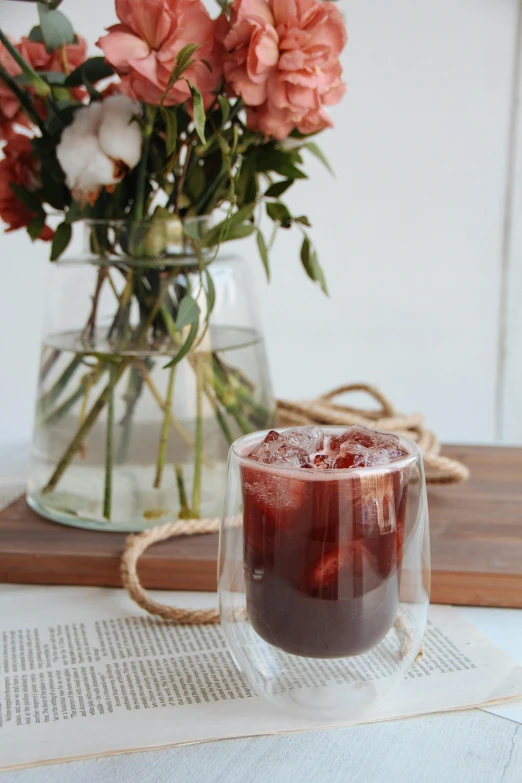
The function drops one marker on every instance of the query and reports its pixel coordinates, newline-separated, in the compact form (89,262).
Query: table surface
(469,747)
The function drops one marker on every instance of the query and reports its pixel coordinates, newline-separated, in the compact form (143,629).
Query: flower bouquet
(183,135)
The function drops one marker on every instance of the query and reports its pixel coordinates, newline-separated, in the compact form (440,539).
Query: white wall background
(411,231)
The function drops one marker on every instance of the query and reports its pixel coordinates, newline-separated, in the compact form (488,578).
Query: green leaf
(182,62)
(240,232)
(290,171)
(263,252)
(61,240)
(57,31)
(28,199)
(312,147)
(224,105)
(279,213)
(74,213)
(271,158)
(246,183)
(221,232)
(35,227)
(55,193)
(94,70)
(91,89)
(303,220)
(185,348)
(191,230)
(278,188)
(195,182)
(210,292)
(311,264)
(199,111)
(171,129)
(188,312)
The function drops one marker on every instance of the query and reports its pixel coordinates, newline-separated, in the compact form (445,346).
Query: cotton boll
(100,146)
(119,134)
(87,168)
(86,121)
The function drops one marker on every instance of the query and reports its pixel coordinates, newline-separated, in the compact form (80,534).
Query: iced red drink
(323,533)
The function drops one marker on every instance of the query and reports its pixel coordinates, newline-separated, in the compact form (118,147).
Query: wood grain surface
(476,542)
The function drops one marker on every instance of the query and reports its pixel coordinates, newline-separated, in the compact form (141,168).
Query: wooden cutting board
(476,541)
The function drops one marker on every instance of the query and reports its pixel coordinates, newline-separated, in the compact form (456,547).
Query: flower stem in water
(51,396)
(165,429)
(184,510)
(107,495)
(196,486)
(83,430)
(131,396)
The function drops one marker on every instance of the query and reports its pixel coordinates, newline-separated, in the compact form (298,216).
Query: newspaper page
(84,672)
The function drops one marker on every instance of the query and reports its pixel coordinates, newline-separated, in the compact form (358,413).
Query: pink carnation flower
(19,166)
(144,47)
(283,60)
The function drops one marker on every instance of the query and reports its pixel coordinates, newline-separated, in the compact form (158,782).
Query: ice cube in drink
(323,533)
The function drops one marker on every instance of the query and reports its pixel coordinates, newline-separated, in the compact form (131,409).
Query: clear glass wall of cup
(324,579)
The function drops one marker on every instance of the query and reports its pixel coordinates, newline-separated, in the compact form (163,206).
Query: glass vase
(324,579)
(139,399)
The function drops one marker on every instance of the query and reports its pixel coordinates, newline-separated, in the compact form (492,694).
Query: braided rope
(439,470)
(136,546)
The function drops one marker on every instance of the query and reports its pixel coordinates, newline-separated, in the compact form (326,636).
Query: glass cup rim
(415,455)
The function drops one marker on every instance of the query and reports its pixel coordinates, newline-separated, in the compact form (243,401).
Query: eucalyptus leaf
(61,239)
(36,34)
(188,312)
(94,70)
(57,31)
(263,252)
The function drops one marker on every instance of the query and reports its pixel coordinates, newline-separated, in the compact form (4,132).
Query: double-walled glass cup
(324,578)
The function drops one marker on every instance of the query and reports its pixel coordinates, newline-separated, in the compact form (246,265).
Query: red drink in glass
(323,551)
